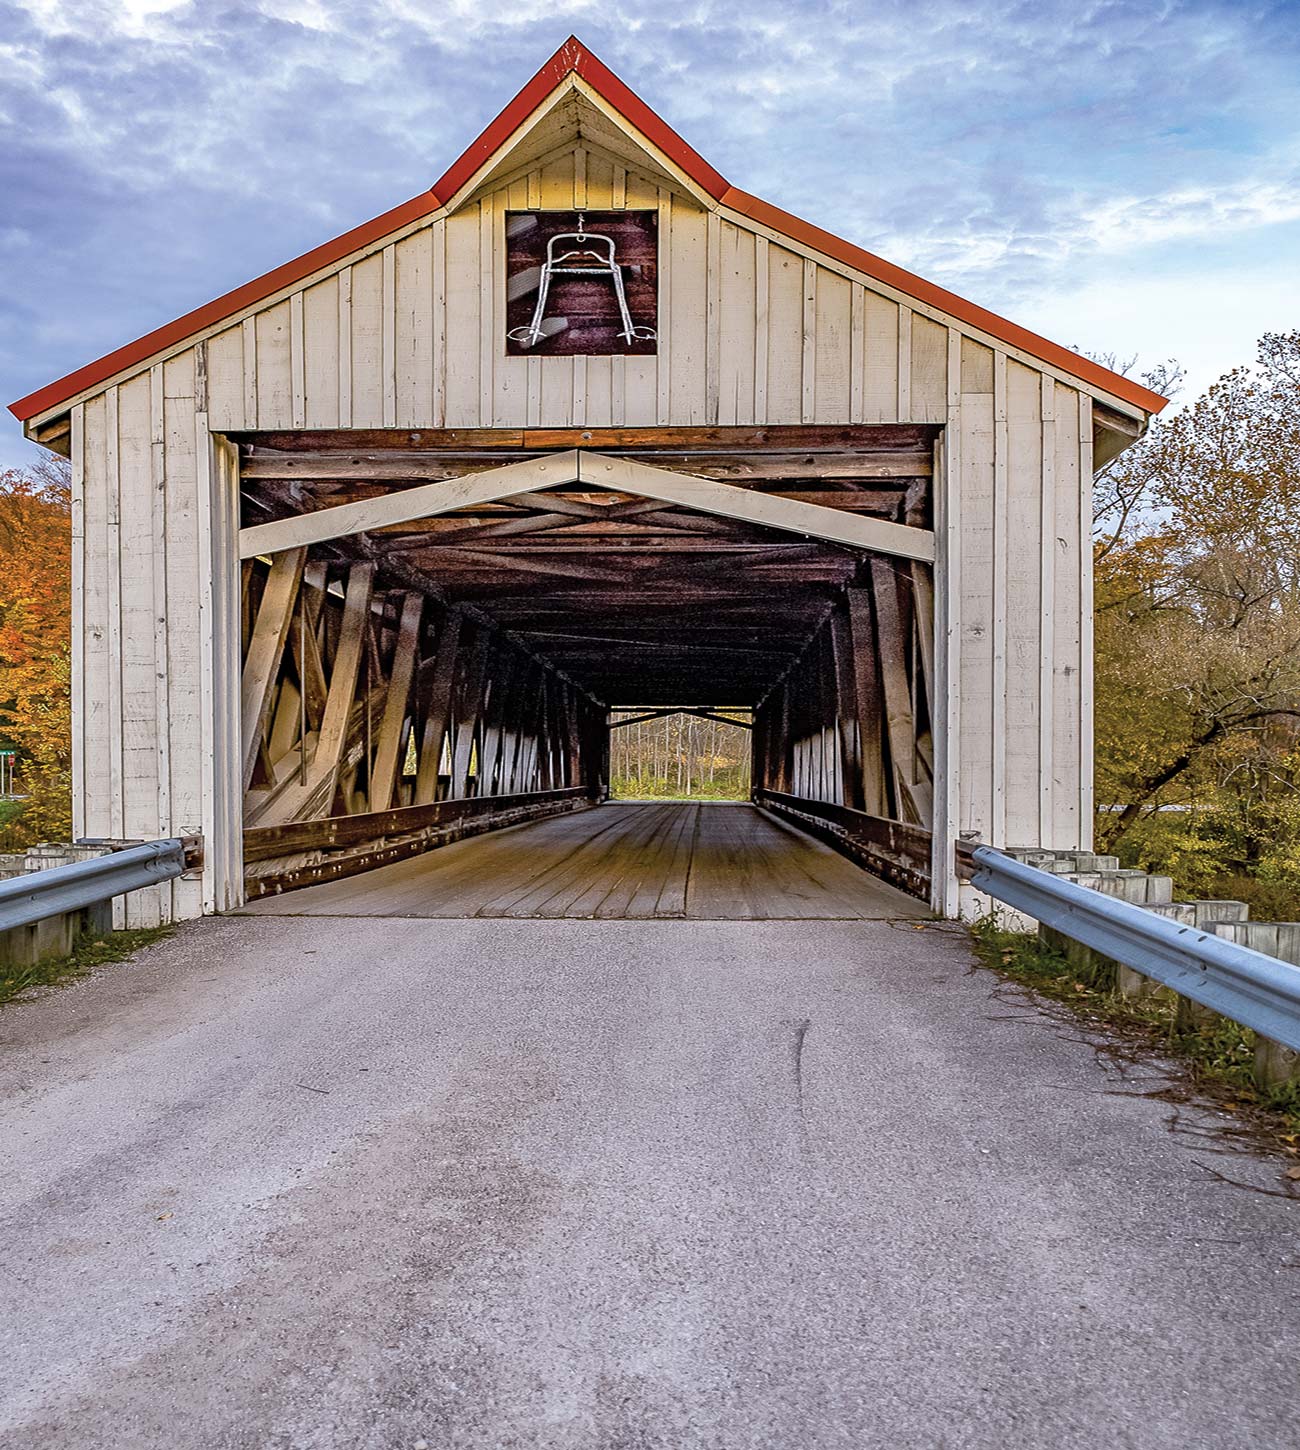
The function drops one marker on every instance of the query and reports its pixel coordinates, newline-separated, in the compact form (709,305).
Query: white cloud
(1123,223)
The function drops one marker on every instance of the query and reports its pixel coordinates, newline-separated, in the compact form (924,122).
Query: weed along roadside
(1213,1058)
(89,951)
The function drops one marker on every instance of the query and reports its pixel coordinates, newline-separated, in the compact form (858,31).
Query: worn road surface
(366,1181)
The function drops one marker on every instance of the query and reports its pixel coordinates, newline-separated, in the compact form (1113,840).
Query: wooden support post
(519,726)
(847,712)
(923,615)
(469,708)
(900,723)
(868,702)
(391,728)
(306,800)
(758,752)
(304,640)
(266,650)
(573,730)
(437,707)
(496,721)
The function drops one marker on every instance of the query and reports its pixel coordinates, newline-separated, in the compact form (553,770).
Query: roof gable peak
(575,70)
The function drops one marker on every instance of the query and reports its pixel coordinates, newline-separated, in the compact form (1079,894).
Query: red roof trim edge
(574,57)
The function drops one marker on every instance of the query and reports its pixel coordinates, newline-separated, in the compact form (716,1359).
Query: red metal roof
(574,58)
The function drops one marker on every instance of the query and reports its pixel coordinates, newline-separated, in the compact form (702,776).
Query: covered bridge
(366,551)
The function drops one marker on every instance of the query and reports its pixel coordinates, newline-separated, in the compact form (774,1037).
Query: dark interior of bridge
(475,656)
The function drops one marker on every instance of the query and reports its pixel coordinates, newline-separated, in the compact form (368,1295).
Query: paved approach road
(612,1185)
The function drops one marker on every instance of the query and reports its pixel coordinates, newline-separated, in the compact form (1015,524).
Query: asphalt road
(611,1186)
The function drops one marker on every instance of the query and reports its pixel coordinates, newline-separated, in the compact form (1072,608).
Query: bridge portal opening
(681,753)
(442,631)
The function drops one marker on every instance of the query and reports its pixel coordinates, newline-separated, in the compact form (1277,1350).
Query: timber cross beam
(604,471)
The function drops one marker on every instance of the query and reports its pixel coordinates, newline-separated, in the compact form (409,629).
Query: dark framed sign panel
(582,283)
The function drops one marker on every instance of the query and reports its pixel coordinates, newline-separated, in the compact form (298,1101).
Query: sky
(1120,177)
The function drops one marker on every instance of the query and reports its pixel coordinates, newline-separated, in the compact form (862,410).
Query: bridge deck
(716,861)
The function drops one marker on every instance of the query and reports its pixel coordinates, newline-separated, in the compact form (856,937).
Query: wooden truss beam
(680,710)
(600,471)
(412,503)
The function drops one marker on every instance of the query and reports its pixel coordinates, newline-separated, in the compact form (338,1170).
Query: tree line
(35,651)
(1197,553)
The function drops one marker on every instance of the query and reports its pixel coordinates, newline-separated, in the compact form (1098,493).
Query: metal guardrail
(1256,990)
(25,900)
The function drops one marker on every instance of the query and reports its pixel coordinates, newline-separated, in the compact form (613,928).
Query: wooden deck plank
(624,860)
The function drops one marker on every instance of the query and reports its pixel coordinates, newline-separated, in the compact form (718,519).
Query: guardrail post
(1275,1065)
(1086,964)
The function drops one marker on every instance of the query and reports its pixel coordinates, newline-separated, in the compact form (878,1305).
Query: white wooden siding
(411,335)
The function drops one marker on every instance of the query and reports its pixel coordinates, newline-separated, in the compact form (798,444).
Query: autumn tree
(35,653)
(1197,548)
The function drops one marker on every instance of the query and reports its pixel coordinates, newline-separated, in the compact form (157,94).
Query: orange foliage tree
(35,644)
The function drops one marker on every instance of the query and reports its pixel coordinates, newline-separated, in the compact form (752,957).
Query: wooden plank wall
(410,336)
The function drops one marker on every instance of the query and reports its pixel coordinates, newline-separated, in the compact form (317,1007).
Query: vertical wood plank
(1046,610)
(438,337)
(113,617)
(297,361)
(274,370)
(785,310)
(1001,523)
(857,354)
(344,346)
(368,341)
(139,692)
(248,331)
(947,665)
(78,683)
(713,318)
(184,564)
(931,371)
(808,339)
(904,364)
(761,279)
(226,378)
(880,366)
(320,330)
(1087,701)
(663,353)
(1067,623)
(388,335)
(487,229)
(533,383)
(226,838)
(979,746)
(1020,548)
(464,323)
(209,806)
(832,381)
